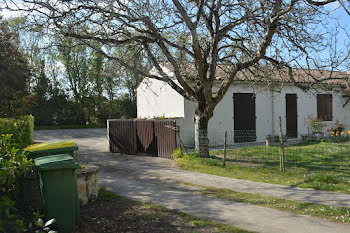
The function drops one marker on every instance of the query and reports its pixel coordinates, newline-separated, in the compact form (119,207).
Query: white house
(249,110)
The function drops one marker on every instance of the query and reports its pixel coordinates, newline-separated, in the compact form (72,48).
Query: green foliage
(315,124)
(13,166)
(21,128)
(104,194)
(7,213)
(43,227)
(177,153)
(14,73)
(193,155)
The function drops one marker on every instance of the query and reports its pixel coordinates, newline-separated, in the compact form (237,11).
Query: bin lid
(50,145)
(53,162)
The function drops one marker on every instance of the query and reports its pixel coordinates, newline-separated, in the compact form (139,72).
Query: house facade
(248,112)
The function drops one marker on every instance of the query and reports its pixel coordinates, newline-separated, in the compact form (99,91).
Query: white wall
(307,106)
(346,115)
(156,98)
(269,106)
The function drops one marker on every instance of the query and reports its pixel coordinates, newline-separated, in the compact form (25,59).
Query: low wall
(87,181)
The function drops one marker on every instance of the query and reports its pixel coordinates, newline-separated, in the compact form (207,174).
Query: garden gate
(154,137)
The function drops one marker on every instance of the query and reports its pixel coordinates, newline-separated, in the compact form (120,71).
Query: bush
(192,155)
(316,124)
(21,128)
(13,166)
(177,153)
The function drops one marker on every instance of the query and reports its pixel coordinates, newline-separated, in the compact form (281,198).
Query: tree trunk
(201,131)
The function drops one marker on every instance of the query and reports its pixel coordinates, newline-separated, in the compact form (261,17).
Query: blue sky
(344,20)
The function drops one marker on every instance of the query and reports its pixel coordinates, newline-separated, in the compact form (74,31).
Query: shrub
(315,124)
(177,153)
(21,128)
(13,165)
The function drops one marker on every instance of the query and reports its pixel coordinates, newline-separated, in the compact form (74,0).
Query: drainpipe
(272,114)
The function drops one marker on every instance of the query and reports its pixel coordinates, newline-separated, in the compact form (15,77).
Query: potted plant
(268,139)
(315,125)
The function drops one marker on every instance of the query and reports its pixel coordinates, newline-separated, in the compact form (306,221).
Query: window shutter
(325,107)
(329,107)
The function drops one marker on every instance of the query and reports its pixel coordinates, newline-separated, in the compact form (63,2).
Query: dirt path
(152,180)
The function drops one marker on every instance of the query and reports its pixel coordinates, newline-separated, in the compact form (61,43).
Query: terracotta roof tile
(271,74)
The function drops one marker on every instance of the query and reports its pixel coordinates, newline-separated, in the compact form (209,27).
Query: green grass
(105,195)
(336,214)
(322,166)
(54,127)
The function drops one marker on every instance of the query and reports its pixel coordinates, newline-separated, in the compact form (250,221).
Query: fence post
(281,145)
(225,142)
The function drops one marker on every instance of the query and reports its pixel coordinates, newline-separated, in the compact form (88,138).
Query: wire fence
(328,155)
(324,156)
(235,138)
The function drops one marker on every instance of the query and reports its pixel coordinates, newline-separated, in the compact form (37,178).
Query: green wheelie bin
(58,186)
(51,148)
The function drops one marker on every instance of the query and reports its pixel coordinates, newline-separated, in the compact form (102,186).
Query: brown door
(165,137)
(292,115)
(244,117)
(122,137)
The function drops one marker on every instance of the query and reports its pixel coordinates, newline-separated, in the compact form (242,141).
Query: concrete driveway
(155,180)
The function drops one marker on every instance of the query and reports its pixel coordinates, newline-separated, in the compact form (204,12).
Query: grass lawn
(54,127)
(113,213)
(336,214)
(322,166)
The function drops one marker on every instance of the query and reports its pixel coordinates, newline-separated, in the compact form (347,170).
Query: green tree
(96,78)
(75,60)
(14,73)
(131,78)
(41,93)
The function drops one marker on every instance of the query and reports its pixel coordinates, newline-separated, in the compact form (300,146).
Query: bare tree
(235,34)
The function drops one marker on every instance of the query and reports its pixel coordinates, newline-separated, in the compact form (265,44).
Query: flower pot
(268,141)
(276,138)
(307,137)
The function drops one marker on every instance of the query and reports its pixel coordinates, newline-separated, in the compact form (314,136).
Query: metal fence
(216,138)
(332,158)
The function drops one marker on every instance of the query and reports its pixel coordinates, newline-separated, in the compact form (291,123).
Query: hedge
(21,128)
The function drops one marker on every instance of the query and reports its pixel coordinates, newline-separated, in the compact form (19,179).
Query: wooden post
(281,145)
(225,142)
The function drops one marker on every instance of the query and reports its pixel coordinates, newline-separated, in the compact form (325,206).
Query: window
(325,107)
